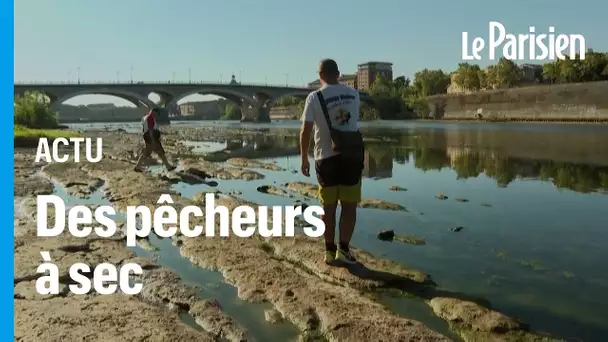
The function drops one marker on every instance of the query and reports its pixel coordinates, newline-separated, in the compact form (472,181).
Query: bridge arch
(235,96)
(137,99)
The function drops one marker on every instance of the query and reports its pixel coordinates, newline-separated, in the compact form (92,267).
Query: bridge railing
(168,82)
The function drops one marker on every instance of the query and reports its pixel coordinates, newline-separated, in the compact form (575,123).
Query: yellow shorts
(342,193)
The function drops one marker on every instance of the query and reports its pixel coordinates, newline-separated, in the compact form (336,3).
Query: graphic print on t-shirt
(343,116)
(338,104)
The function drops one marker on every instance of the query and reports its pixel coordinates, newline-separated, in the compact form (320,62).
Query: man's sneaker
(345,257)
(329,257)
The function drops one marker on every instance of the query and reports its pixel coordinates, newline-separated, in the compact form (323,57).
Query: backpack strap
(324,107)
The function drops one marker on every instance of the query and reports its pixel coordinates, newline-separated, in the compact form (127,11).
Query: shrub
(33,110)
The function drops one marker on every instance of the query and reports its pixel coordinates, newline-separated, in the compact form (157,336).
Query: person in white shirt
(338,172)
(151,135)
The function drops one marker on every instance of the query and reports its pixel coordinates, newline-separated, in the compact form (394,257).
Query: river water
(532,201)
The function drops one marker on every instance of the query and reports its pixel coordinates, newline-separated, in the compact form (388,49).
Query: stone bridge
(254,100)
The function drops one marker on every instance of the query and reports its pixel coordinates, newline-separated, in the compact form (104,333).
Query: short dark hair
(329,67)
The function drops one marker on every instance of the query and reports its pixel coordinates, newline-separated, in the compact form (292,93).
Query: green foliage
(507,74)
(367,113)
(469,76)
(29,137)
(593,68)
(231,112)
(431,82)
(288,101)
(401,98)
(33,110)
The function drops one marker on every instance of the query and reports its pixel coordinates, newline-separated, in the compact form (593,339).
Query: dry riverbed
(323,302)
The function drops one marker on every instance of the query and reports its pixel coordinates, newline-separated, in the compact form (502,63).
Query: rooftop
(374,62)
(347,76)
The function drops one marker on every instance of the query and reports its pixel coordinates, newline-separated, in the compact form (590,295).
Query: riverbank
(321,302)
(29,137)
(573,102)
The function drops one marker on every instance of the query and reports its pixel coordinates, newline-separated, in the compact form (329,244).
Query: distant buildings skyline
(364,77)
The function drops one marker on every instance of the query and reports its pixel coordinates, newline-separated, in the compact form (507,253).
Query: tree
(593,68)
(508,73)
(402,83)
(382,87)
(551,72)
(231,112)
(468,76)
(431,82)
(33,110)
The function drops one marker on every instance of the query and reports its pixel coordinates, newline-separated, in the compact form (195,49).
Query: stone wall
(562,102)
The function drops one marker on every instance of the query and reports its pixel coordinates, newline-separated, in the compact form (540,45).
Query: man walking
(151,135)
(333,112)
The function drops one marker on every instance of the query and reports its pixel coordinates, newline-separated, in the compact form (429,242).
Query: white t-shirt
(343,107)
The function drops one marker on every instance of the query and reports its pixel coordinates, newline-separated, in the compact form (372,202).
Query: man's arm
(307,124)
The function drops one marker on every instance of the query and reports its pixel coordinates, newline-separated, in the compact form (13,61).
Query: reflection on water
(531,246)
(439,149)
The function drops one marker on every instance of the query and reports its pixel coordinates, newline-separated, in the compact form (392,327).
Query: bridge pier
(255,114)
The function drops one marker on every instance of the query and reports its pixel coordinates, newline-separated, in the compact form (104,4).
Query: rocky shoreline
(324,303)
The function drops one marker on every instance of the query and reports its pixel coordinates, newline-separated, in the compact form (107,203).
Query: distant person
(333,111)
(151,135)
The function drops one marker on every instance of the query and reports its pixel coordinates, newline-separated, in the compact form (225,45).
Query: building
(233,81)
(349,80)
(316,84)
(367,73)
(531,73)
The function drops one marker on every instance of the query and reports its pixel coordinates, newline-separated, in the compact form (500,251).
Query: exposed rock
(252,163)
(273,190)
(412,240)
(99,318)
(476,323)
(381,204)
(441,196)
(214,170)
(304,189)
(76,181)
(273,316)
(162,286)
(386,235)
(389,235)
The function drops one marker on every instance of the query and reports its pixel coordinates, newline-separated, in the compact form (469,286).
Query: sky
(267,41)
